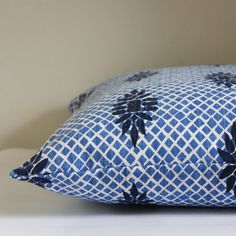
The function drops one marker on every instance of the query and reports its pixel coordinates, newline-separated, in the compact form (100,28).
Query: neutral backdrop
(51,50)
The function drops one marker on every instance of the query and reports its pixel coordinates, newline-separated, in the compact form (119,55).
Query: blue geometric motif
(175,155)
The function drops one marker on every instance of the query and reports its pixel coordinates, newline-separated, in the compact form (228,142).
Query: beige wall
(51,50)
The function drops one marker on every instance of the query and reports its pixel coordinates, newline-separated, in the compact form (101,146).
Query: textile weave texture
(161,136)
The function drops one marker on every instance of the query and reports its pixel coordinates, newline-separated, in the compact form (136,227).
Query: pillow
(164,136)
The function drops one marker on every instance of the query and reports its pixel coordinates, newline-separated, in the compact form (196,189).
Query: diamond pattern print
(176,162)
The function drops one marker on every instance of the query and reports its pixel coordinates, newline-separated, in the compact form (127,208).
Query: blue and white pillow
(164,136)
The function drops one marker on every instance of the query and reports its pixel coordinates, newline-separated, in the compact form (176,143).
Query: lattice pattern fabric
(164,136)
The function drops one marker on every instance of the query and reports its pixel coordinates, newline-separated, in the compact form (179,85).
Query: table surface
(26,209)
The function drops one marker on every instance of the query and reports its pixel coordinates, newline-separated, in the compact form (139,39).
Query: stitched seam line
(131,167)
